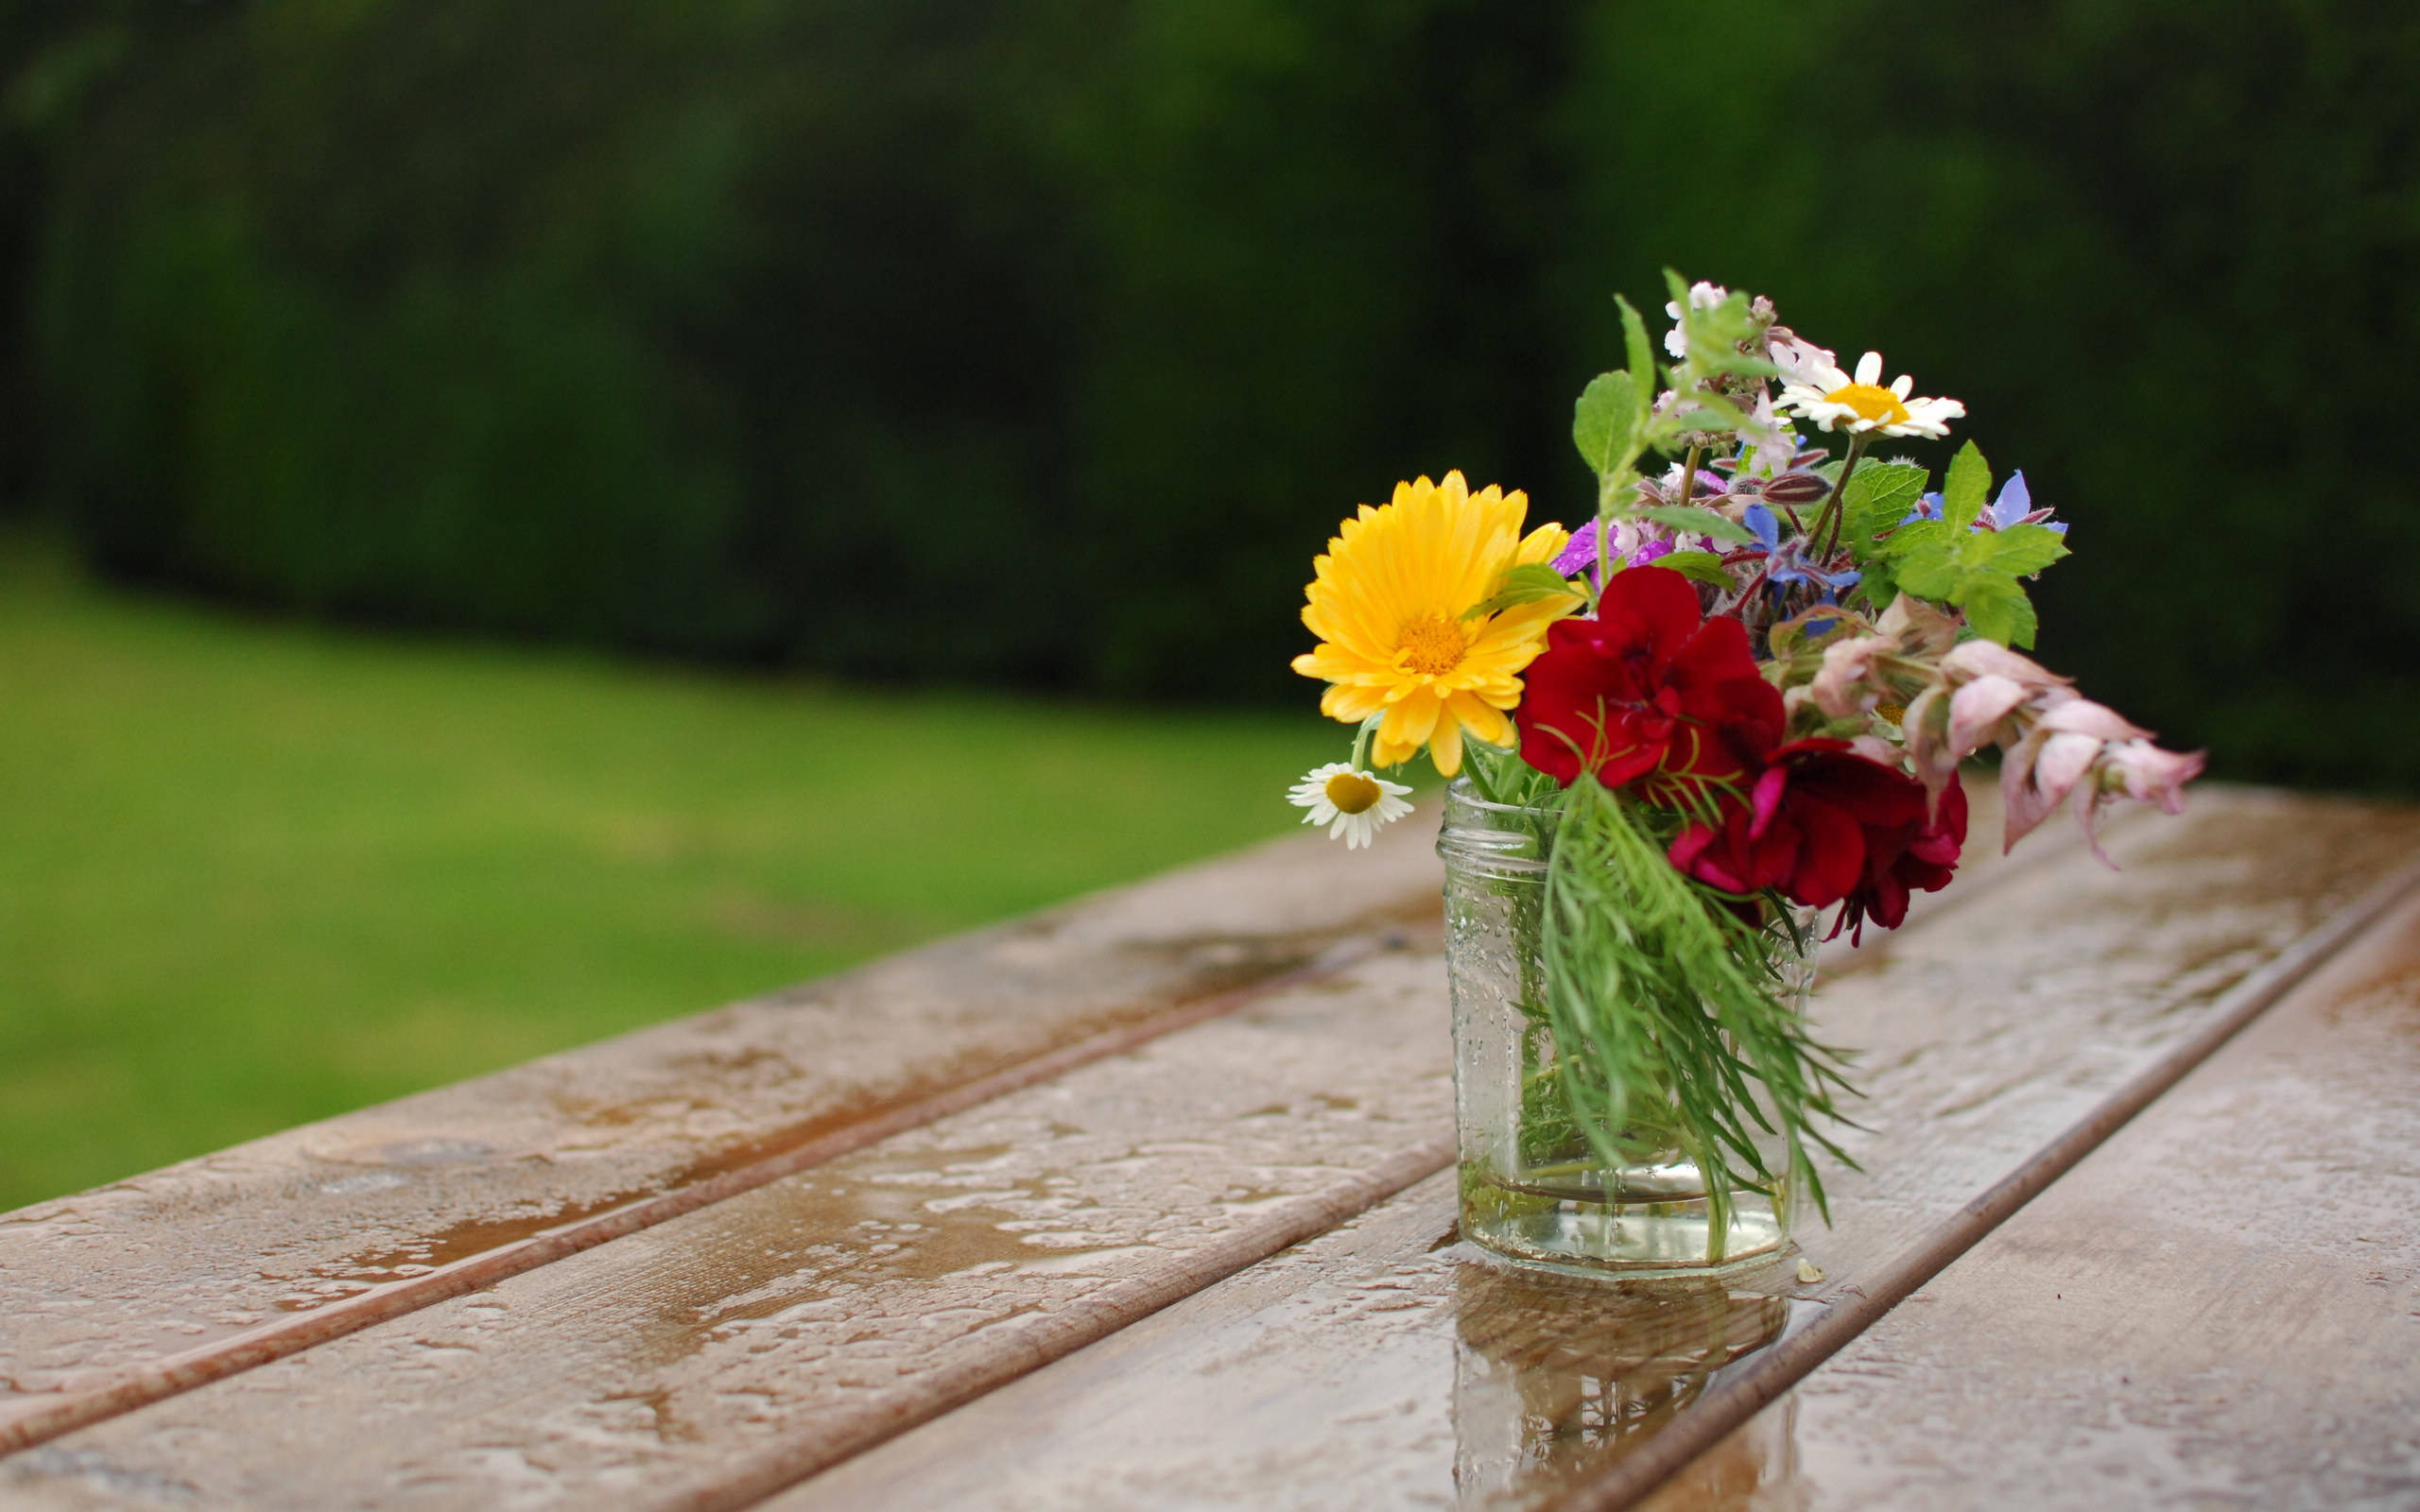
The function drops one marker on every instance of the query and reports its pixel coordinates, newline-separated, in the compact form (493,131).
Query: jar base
(1635,1240)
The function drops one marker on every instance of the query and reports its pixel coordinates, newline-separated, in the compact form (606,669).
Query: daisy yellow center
(1871,402)
(1432,645)
(1353,793)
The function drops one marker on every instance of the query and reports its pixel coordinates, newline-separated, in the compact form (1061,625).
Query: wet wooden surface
(127,1292)
(1138,1102)
(2219,1307)
(1375,1367)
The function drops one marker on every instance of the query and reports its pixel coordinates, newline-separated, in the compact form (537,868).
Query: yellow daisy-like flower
(1387,605)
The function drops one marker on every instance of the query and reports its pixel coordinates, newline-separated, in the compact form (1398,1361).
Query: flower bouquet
(1735,702)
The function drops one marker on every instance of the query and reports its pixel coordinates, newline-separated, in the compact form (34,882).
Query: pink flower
(2142,771)
(1979,712)
(1840,689)
(2040,770)
(1922,630)
(1982,659)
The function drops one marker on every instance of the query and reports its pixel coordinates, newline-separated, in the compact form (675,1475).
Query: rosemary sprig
(1665,1017)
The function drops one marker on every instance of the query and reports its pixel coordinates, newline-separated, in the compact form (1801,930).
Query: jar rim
(1463,790)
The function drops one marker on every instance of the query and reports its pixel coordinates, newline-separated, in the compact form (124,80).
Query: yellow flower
(1388,606)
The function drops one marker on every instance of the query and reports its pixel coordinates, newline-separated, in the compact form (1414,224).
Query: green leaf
(1697,522)
(1641,356)
(1999,610)
(1699,566)
(1604,423)
(1962,491)
(1916,540)
(1525,584)
(1878,496)
(1935,572)
(1881,584)
(2020,551)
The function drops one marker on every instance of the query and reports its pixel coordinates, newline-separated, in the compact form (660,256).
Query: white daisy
(1702,295)
(1352,805)
(1830,395)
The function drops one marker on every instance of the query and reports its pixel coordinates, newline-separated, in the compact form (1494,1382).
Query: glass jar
(1533,1189)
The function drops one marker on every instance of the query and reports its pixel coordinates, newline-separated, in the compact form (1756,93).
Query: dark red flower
(1919,857)
(1649,691)
(1824,825)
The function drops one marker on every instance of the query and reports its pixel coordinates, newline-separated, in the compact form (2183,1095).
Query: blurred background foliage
(1041,344)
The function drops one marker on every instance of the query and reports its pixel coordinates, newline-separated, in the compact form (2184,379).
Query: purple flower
(1632,544)
(1579,553)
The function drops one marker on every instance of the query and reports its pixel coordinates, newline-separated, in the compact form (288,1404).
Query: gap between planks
(1763,1377)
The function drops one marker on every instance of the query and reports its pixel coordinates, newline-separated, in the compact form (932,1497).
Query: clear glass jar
(1533,1190)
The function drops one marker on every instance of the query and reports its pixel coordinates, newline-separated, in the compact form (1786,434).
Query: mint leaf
(1999,610)
(1881,584)
(1604,423)
(1525,584)
(1878,496)
(1699,566)
(1697,522)
(1641,356)
(1976,571)
(1912,541)
(1962,491)
(2020,551)
(1932,571)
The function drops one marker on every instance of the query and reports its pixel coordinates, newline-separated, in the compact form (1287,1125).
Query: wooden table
(1144,1202)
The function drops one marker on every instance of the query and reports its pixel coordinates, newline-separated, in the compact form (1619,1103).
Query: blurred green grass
(253,875)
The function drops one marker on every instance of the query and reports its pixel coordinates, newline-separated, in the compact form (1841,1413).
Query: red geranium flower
(1649,691)
(1824,825)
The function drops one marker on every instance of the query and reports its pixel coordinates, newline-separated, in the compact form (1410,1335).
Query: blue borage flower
(2014,507)
(1785,561)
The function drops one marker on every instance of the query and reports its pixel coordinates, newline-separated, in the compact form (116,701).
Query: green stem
(1596,578)
(1831,512)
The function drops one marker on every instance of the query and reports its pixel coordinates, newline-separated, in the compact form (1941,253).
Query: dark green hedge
(1045,342)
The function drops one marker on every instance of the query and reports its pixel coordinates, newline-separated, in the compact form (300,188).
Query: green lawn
(252,874)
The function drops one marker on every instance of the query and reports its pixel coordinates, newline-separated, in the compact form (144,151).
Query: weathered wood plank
(1243,1162)
(1372,1367)
(724,1354)
(154,1284)
(2219,1307)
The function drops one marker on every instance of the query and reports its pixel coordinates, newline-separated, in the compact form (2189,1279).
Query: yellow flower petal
(1388,601)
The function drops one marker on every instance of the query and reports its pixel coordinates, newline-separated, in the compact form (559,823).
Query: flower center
(1432,645)
(1353,793)
(1871,402)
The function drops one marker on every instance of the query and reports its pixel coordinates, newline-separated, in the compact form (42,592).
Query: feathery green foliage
(1666,1013)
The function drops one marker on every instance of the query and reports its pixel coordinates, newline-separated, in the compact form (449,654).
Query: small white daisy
(1830,395)
(1352,805)
(1702,295)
